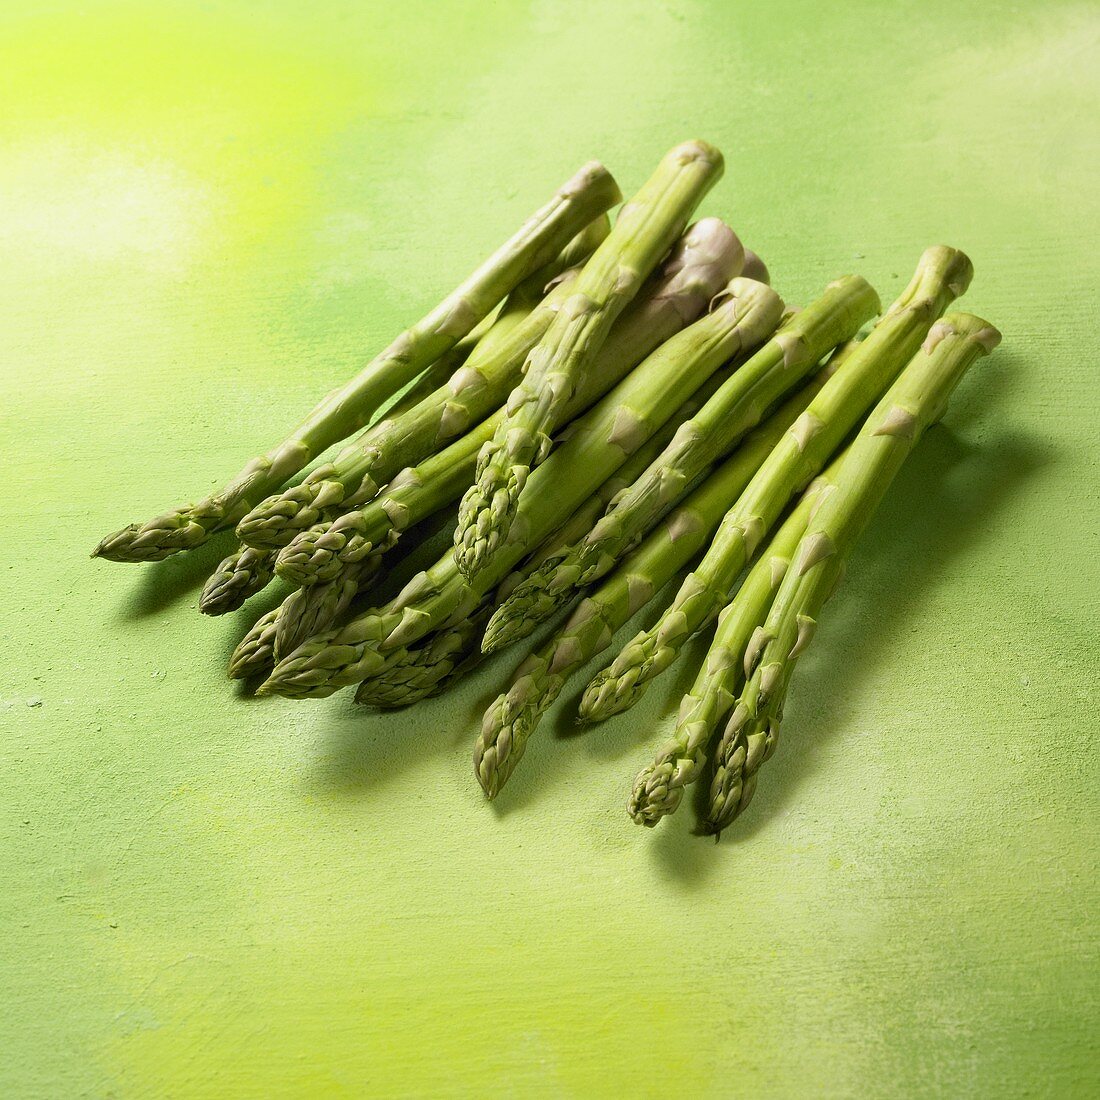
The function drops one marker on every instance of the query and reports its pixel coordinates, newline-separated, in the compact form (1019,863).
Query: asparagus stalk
(514,716)
(414,673)
(917,399)
(714,431)
(534,603)
(942,275)
(413,432)
(645,229)
(678,293)
(556,547)
(255,653)
(588,194)
(247,570)
(240,575)
(659,788)
(309,611)
(609,433)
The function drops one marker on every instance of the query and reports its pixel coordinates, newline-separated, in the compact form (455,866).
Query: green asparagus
(255,653)
(591,192)
(678,293)
(659,787)
(462,399)
(917,399)
(644,231)
(510,721)
(942,275)
(703,439)
(309,611)
(608,434)
(414,673)
(240,575)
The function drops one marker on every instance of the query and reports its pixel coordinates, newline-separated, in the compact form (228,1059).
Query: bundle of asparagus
(598,407)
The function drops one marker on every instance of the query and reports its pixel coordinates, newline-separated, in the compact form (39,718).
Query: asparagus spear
(309,611)
(414,673)
(247,570)
(942,275)
(700,264)
(733,410)
(917,399)
(643,233)
(413,432)
(609,433)
(524,609)
(659,788)
(588,194)
(255,653)
(557,545)
(240,575)
(513,717)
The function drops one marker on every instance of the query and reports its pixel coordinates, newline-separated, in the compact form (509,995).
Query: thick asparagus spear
(646,228)
(701,263)
(942,274)
(414,673)
(411,433)
(659,787)
(588,194)
(609,433)
(510,721)
(917,399)
(703,439)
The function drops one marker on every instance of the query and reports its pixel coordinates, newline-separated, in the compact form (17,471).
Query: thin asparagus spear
(942,275)
(917,399)
(713,432)
(659,788)
(646,228)
(512,719)
(414,673)
(240,575)
(309,611)
(610,432)
(704,259)
(411,433)
(248,570)
(588,194)
(255,653)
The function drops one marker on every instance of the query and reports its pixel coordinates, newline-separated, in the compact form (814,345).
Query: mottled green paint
(208,213)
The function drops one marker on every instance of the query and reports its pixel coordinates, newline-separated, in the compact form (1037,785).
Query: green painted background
(209,212)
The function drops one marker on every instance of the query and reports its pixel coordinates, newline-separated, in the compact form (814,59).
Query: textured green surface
(208,213)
